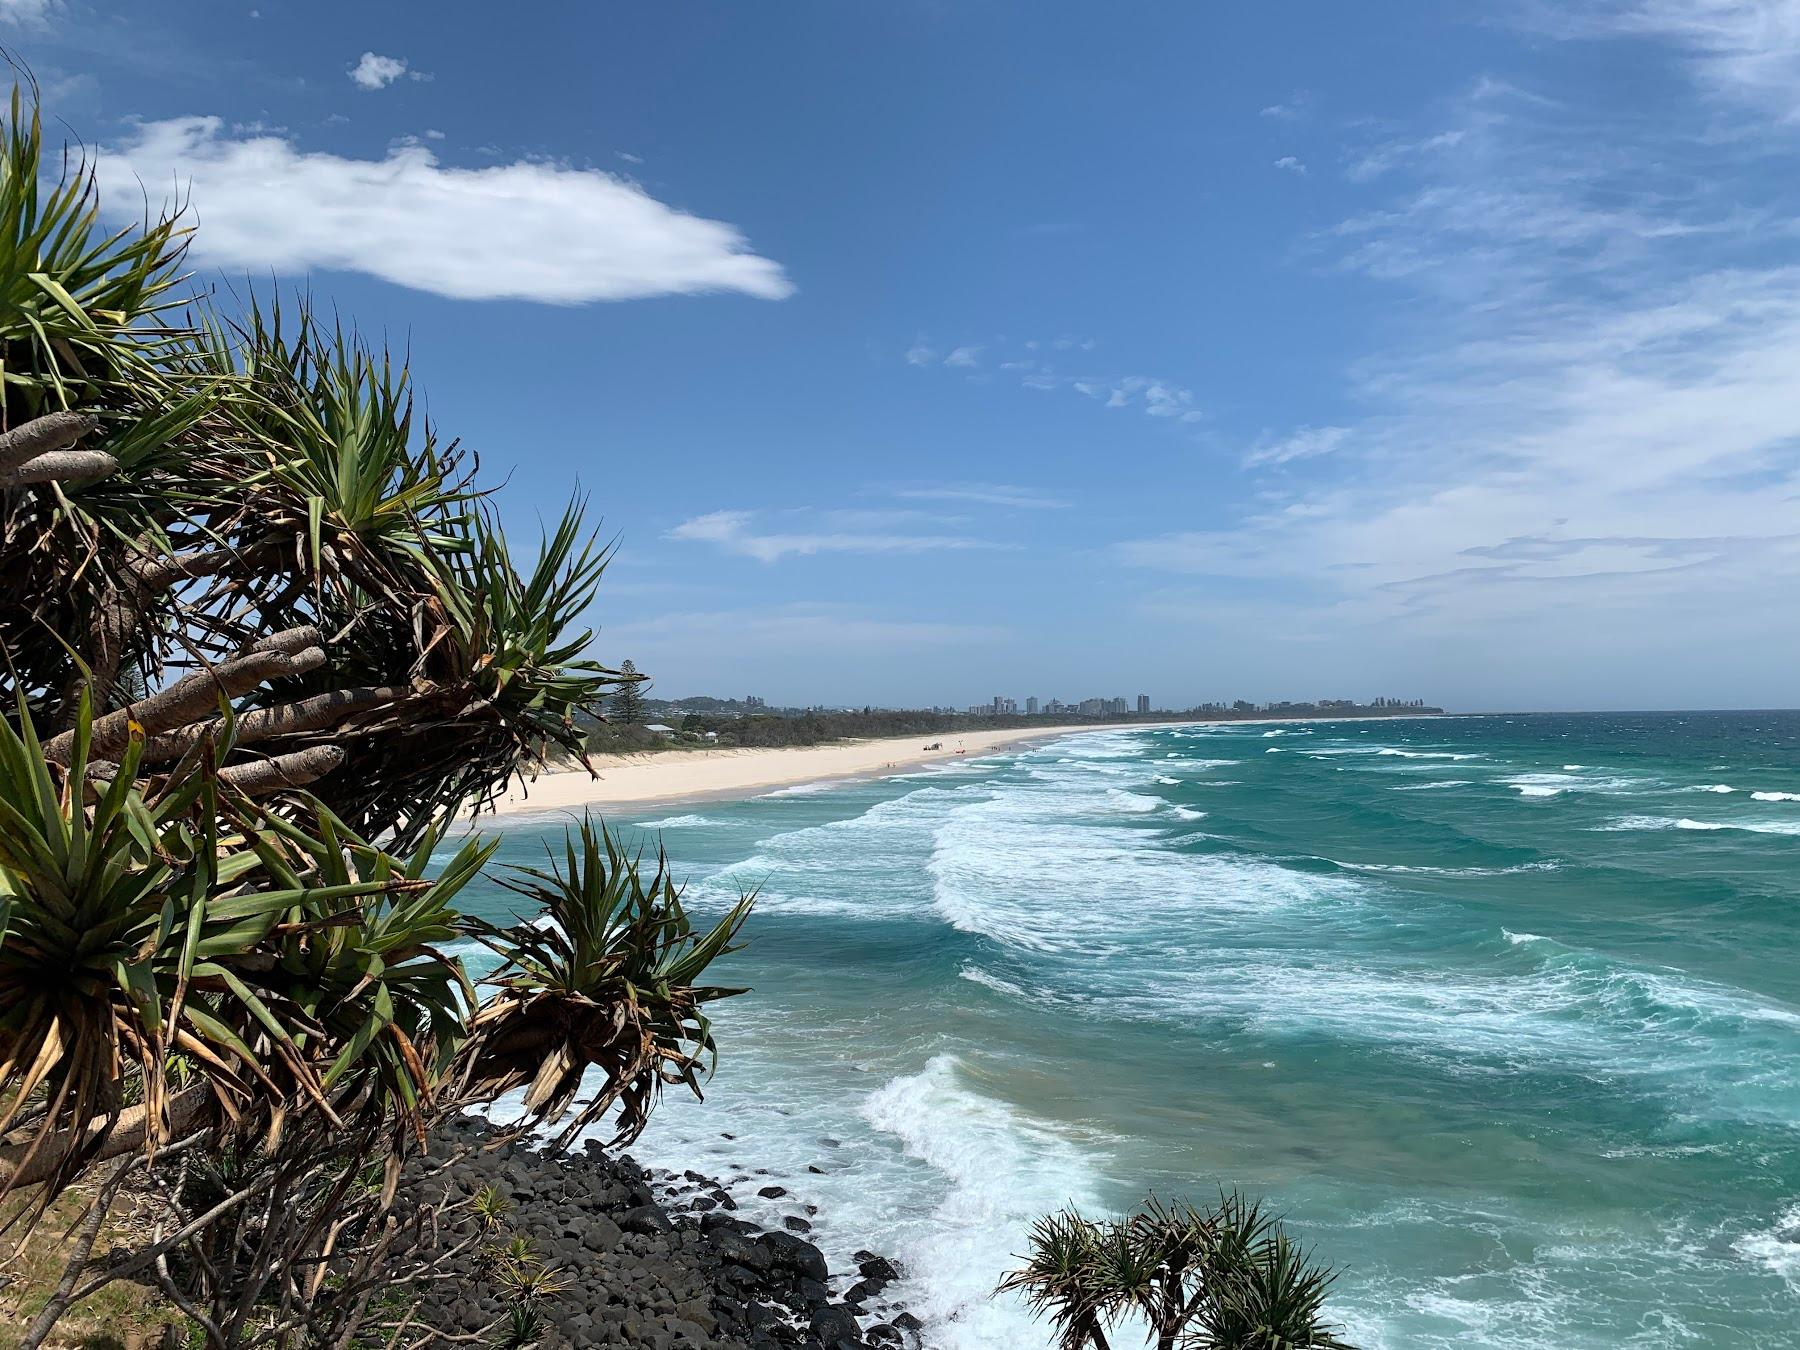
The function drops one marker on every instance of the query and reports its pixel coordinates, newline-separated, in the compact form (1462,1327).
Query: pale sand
(667,776)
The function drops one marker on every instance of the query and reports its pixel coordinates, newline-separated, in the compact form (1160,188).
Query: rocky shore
(653,1259)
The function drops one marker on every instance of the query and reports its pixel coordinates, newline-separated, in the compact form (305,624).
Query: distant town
(1002,706)
(637,721)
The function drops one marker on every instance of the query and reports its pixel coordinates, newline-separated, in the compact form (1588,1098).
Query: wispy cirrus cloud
(1288,110)
(1743,50)
(1158,398)
(1584,427)
(983,494)
(1306,443)
(754,534)
(27,13)
(528,230)
(1045,365)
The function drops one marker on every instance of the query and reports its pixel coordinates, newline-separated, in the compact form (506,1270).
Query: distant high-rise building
(1031,707)
(1143,703)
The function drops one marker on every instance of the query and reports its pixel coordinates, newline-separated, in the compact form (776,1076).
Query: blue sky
(932,349)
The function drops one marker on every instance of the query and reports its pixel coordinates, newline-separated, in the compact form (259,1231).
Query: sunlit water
(1504,1013)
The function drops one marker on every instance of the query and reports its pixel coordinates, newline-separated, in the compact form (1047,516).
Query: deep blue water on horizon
(1503,1012)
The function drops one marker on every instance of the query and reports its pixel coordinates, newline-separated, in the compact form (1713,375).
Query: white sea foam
(1133,803)
(689,822)
(1776,1248)
(1427,869)
(976,975)
(1555,784)
(1188,813)
(1776,796)
(1016,866)
(809,789)
(1425,754)
(1166,781)
(1786,827)
(1713,787)
(1431,787)
(997,1171)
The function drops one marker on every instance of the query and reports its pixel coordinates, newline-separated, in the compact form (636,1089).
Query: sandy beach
(668,776)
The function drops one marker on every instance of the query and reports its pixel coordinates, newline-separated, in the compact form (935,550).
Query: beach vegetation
(263,644)
(1224,1277)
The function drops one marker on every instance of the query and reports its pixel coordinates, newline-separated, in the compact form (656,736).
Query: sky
(922,351)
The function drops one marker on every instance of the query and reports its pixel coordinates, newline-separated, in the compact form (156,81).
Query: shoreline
(679,777)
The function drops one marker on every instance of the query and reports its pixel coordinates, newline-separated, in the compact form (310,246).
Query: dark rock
(601,1234)
(649,1260)
(835,1323)
(645,1218)
(794,1253)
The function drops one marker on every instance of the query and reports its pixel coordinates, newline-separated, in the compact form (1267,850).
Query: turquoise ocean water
(1503,1013)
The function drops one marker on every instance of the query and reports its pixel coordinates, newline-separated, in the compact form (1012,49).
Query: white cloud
(1290,111)
(527,230)
(1307,443)
(1598,464)
(1384,158)
(1156,397)
(984,494)
(378,72)
(840,532)
(1291,164)
(27,13)
(1153,396)
(1743,49)
(1581,457)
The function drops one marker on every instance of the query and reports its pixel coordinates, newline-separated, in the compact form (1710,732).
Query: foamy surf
(1368,1044)
(995,1171)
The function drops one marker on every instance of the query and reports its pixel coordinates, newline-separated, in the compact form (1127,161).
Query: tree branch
(263,776)
(60,466)
(291,653)
(307,714)
(42,435)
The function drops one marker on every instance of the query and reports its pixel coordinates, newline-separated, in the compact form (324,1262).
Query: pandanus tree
(262,643)
(1223,1278)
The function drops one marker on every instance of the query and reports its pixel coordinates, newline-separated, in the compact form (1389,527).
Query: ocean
(1503,1013)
